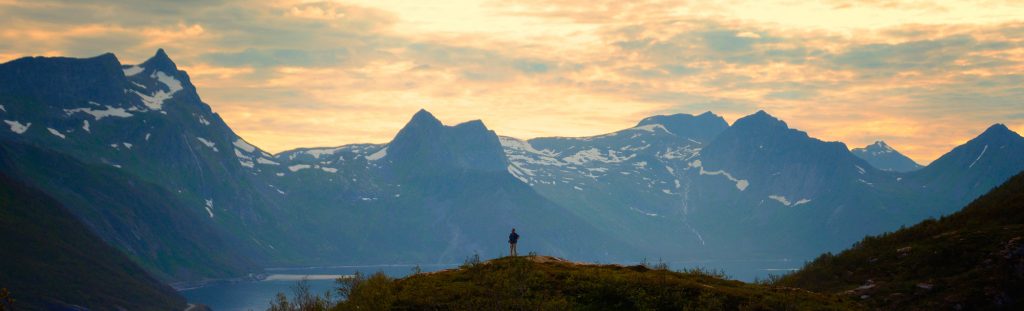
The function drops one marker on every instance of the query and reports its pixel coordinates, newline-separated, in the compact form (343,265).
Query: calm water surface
(257,295)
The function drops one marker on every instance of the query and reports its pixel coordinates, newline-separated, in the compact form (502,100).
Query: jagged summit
(421,120)
(426,143)
(879,146)
(160,61)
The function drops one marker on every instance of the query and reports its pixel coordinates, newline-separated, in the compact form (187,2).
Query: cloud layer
(924,76)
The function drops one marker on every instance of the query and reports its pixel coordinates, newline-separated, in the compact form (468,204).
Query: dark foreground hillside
(970,260)
(50,261)
(548,283)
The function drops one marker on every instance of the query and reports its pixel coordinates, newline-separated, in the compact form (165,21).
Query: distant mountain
(425,145)
(51,261)
(885,158)
(633,182)
(435,193)
(973,168)
(971,260)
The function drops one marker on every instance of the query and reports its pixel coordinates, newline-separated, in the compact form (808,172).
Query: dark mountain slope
(973,168)
(971,260)
(50,260)
(144,221)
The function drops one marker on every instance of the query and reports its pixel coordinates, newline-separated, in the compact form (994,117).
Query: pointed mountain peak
(760,119)
(424,118)
(997,133)
(160,61)
(997,129)
(879,145)
(425,144)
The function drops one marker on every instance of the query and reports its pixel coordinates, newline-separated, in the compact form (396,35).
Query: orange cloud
(299,74)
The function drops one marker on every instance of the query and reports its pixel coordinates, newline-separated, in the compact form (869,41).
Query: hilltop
(549,283)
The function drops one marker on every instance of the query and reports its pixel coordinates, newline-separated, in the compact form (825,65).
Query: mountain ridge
(713,187)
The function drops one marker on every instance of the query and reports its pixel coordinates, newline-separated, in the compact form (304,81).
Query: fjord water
(257,295)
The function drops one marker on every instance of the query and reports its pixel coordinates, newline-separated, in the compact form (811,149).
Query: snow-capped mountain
(146,131)
(148,160)
(882,156)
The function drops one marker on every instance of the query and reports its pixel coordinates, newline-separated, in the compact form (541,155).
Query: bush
(302,300)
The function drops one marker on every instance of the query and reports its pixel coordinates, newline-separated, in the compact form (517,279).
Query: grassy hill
(548,283)
(971,260)
(49,260)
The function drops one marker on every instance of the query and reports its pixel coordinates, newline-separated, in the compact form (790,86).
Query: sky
(925,76)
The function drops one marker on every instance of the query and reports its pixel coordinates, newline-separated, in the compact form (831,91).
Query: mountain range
(134,153)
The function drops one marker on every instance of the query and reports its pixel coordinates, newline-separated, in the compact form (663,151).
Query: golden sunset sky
(924,76)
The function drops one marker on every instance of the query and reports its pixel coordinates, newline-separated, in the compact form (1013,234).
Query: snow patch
(241,144)
(266,161)
(100,114)
(781,199)
(740,183)
(17,127)
(593,154)
(517,173)
(979,157)
(298,167)
(208,143)
(650,128)
(209,207)
(786,202)
(860,169)
(156,101)
(316,153)
(133,70)
(56,133)
(329,169)
(378,155)
(85,125)
(684,153)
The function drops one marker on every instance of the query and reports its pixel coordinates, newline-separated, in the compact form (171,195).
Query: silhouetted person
(513,238)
